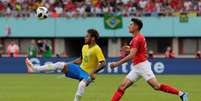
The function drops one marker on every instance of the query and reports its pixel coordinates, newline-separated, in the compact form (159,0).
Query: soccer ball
(42,12)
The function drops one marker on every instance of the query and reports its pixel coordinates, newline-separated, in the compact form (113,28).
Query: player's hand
(93,76)
(114,64)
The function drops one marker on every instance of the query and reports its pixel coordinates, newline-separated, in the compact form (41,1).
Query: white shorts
(141,70)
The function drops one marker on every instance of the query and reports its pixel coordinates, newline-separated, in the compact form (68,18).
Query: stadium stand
(90,8)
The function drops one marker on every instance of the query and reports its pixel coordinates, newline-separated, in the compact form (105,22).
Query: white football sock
(80,90)
(50,67)
(77,98)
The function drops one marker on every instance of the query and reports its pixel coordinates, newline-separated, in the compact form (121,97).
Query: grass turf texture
(51,87)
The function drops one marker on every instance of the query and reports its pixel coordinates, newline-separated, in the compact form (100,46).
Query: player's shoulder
(85,46)
(97,46)
(137,37)
(140,36)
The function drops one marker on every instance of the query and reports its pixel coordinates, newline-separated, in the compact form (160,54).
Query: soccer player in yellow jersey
(92,61)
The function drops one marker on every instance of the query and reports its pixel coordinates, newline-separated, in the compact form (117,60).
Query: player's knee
(122,87)
(156,87)
(65,68)
(83,83)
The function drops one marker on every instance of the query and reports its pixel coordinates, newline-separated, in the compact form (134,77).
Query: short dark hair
(93,33)
(138,22)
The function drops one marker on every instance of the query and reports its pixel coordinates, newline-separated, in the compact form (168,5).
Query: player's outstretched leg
(47,67)
(167,88)
(120,91)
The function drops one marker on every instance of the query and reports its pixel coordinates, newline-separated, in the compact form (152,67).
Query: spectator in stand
(125,50)
(188,5)
(44,48)
(151,54)
(54,14)
(2,8)
(142,3)
(70,8)
(1,50)
(169,53)
(150,7)
(198,54)
(32,49)
(47,49)
(83,8)
(40,46)
(13,49)
(199,8)
(174,4)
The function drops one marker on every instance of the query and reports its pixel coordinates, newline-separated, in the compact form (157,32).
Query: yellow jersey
(91,58)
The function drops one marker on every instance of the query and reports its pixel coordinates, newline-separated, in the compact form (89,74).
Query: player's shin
(80,90)
(169,89)
(118,94)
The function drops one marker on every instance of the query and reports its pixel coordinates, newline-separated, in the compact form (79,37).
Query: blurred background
(172,28)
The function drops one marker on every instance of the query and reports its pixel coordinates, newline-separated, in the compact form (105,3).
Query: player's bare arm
(101,65)
(125,59)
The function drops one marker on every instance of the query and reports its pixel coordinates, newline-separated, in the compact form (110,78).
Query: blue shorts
(75,72)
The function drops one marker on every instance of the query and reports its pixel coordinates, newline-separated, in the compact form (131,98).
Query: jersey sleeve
(99,55)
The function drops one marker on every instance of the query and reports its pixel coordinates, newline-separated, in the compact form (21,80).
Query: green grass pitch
(53,87)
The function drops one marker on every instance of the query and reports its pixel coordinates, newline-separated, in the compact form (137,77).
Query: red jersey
(140,44)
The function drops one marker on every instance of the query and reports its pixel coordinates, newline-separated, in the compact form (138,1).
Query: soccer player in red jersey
(142,67)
